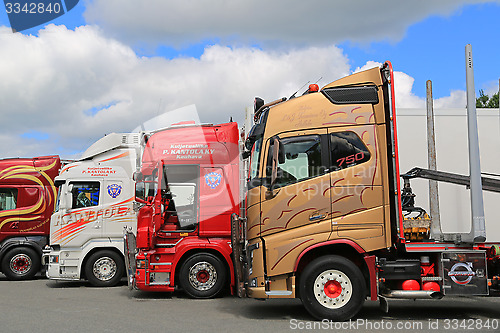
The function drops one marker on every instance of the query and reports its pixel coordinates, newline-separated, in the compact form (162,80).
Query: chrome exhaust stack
(413,294)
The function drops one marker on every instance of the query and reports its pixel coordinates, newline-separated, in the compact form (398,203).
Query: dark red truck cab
(27,200)
(189,188)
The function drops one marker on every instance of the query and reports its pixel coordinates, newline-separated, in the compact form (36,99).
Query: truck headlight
(53,259)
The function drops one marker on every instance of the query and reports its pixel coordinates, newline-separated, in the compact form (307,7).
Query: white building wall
(452,156)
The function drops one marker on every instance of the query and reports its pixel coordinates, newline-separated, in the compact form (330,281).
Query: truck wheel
(104,269)
(332,287)
(21,263)
(202,275)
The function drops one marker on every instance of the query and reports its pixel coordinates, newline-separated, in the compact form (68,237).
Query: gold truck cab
(321,194)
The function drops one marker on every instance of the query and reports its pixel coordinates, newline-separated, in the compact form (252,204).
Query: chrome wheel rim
(202,276)
(20,263)
(104,268)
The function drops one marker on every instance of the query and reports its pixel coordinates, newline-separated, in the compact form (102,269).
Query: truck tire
(21,263)
(104,268)
(332,287)
(202,275)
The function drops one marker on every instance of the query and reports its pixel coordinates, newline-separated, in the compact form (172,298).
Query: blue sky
(432,48)
(108,65)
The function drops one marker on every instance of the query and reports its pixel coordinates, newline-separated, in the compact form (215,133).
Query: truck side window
(85,194)
(8,198)
(180,188)
(347,150)
(302,160)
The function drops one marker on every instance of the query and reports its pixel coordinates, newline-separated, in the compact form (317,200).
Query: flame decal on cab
(76,221)
(26,172)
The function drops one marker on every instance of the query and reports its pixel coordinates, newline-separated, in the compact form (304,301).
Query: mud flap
(383,305)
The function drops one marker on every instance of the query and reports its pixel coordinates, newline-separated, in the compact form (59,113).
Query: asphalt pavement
(43,305)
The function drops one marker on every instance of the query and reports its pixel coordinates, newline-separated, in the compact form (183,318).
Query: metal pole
(478,229)
(436,232)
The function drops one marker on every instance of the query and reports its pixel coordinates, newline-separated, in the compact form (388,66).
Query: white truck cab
(95,202)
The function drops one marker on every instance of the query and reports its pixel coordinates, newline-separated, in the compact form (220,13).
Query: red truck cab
(27,200)
(188,185)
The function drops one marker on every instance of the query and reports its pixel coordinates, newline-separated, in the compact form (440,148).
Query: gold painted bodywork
(350,204)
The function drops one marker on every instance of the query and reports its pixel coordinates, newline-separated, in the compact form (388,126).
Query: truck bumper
(61,265)
(139,281)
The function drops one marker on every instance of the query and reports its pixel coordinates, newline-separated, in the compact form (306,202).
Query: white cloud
(405,98)
(76,86)
(65,89)
(277,22)
(403,85)
(457,99)
(490,88)
(369,64)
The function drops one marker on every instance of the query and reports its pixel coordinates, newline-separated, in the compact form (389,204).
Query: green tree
(485,101)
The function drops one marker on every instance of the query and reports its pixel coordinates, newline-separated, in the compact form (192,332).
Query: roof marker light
(313,88)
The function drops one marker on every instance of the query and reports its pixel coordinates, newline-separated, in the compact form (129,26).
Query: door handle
(271,193)
(97,223)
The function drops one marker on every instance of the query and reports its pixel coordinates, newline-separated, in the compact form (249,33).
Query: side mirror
(140,192)
(257,104)
(67,202)
(278,157)
(281,152)
(137,176)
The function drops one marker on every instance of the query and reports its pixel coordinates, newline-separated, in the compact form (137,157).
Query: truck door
(32,206)
(84,220)
(356,185)
(300,198)
(180,186)
(216,201)
(117,198)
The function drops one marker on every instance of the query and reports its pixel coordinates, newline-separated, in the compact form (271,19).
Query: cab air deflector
(352,95)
